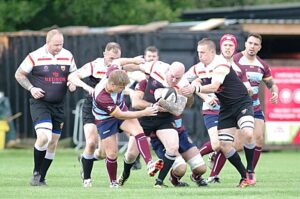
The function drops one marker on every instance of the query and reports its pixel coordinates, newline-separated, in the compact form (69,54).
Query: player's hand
(71,87)
(212,101)
(138,60)
(37,93)
(89,89)
(150,111)
(187,91)
(274,98)
(250,91)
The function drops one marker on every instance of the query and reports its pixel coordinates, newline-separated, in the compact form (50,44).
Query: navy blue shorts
(109,127)
(87,114)
(42,111)
(184,144)
(210,121)
(259,115)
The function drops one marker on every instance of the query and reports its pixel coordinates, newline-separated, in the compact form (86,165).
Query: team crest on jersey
(110,108)
(63,68)
(55,74)
(46,69)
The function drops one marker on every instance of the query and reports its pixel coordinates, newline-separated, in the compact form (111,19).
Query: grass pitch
(277,177)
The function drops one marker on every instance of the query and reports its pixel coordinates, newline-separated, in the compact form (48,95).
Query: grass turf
(277,177)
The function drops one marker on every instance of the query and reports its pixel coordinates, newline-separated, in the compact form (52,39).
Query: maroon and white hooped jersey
(256,71)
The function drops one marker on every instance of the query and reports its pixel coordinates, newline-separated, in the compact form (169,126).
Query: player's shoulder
(98,61)
(219,60)
(263,62)
(40,52)
(65,52)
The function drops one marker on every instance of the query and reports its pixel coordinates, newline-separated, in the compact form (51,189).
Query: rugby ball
(169,94)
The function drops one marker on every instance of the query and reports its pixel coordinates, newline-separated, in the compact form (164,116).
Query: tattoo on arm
(174,108)
(269,83)
(21,77)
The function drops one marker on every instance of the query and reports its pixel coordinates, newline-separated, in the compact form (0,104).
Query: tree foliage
(37,14)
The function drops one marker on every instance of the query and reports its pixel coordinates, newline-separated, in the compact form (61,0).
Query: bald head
(53,33)
(175,73)
(54,41)
(177,67)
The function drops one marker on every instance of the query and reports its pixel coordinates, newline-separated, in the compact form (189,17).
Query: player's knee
(44,137)
(100,154)
(180,170)
(130,157)
(91,144)
(225,146)
(112,154)
(179,166)
(52,145)
(196,161)
(172,149)
(249,137)
(200,169)
(259,140)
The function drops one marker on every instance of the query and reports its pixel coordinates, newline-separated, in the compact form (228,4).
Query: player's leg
(49,157)
(197,165)
(129,158)
(57,116)
(99,153)
(177,172)
(110,146)
(87,157)
(41,118)
(246,124)
(220,159)
(226,141)
(134,128)
(170,140)
(211,122)
(259,129)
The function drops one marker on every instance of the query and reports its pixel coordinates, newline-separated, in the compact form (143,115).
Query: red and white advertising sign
(283,119)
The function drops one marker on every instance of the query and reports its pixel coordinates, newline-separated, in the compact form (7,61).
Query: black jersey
(232,90)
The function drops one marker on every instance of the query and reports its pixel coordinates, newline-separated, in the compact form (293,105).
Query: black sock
(87,165)
(38,159)
(127,169)
(45,166)
(249,157)
(138,158)
(168,162)
(236,161)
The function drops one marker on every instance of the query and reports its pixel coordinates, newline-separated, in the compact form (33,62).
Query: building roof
(276,11)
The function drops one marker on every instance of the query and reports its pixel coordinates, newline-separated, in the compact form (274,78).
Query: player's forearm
(140,104)
(132,67)
(274,89)
(210,88)
(75,79)
(130,115)
(22,79)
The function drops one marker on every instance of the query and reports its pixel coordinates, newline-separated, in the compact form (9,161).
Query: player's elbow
(136,105)
(72,77)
